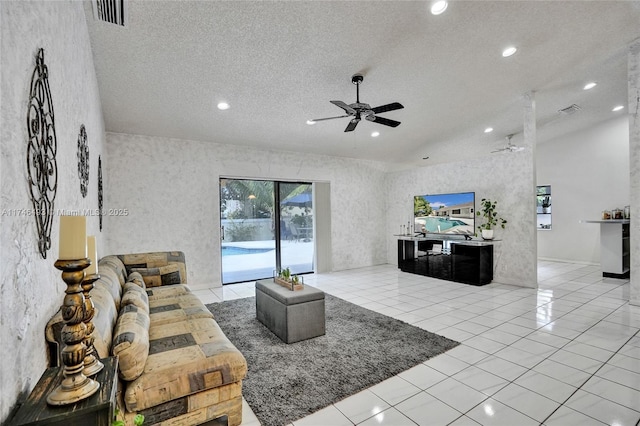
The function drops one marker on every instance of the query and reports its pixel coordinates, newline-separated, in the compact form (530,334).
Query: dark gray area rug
(361,348)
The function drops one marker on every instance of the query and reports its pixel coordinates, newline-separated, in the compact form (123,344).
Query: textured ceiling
(279,64)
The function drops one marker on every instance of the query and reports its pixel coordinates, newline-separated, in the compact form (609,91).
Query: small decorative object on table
(284,278)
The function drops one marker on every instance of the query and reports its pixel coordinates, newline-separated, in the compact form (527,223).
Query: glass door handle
(222,233)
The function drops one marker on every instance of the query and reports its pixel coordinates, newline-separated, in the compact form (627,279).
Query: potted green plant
(546,203)
(488,211)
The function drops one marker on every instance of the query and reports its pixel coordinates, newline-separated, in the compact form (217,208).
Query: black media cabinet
(469,262)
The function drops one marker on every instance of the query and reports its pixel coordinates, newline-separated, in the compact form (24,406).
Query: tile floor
(567,353)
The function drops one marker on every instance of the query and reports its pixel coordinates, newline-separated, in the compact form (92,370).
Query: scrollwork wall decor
(100,191)
(41,153)
(83,161)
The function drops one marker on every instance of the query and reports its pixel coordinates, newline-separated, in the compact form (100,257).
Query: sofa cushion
(156,260)
(167,291)
(131,341)
(135,277)
(178,308)
(184,357)
(133,294)
(163,275)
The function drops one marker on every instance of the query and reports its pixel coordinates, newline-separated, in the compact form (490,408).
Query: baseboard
(579,262)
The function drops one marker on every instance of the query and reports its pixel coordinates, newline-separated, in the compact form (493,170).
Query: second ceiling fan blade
(352,125)
(388,107)
(345,107)
(330,118)
(386,121)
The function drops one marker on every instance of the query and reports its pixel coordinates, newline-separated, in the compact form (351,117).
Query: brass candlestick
(75,386)
(91,363)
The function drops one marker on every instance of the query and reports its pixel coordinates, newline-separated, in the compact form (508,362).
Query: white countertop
(606,221)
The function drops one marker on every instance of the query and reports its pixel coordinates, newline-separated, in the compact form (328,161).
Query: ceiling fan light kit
(359,110)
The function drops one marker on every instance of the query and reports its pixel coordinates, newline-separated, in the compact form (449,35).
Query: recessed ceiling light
(590,85)
(438,7)
(617,108)
(375,134)
(311,122)
(488,130)
(509,51)
(223,106)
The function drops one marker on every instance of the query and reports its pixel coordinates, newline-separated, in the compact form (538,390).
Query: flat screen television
(450,214)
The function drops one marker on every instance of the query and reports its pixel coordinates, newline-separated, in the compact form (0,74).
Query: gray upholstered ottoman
(291,315)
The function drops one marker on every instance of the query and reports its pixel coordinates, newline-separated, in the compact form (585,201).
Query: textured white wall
(506,178)
(588,172)
(31,288)
(171,190)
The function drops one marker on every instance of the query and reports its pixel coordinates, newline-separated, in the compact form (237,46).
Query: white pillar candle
(92,251)
(73,238)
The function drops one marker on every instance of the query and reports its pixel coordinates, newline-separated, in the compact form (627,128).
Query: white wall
(31,288)
(506,178)
(171,190)
(588,172)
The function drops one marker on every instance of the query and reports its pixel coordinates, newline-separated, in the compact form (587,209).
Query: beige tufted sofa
(176,367)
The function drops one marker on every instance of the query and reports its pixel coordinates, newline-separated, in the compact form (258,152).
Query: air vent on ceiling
(111,11)
(571,109)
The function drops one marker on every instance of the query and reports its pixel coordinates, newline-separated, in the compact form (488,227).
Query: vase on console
(487,234)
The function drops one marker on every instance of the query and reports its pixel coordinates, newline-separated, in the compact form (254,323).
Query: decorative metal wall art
(83,161)
(100,190)
(41,153)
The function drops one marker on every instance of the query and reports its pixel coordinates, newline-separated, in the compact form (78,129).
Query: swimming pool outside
(259,259)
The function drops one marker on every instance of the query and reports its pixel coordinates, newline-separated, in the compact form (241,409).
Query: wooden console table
(97,410)
(469,262)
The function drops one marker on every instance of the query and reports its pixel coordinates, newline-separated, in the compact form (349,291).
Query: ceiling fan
(359,110)
(509,146)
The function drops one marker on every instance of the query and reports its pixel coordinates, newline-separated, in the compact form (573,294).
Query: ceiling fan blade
(352,125)
(385,121)
(330,118)
(345,107)
(388,107)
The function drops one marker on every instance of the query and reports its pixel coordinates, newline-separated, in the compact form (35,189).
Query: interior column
(529,132)
(634,168)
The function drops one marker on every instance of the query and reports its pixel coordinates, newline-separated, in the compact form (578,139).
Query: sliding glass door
(258,238)
(296,227)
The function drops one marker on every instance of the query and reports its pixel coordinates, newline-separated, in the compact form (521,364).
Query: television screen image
(445,213)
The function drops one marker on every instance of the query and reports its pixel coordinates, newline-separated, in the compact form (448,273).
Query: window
(543,206)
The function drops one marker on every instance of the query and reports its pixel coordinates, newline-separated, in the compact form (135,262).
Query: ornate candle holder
(91,363)
(75,386)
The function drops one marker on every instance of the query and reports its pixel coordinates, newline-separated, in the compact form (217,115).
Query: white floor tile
(546,386)
(395,390)
(494,413)
(526,401)
(388,417)
(456,394)
(446,364)
(422,376)
(427,410)
(565,416)
(602,409)
(361,406)
(327,416)
(481,380)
